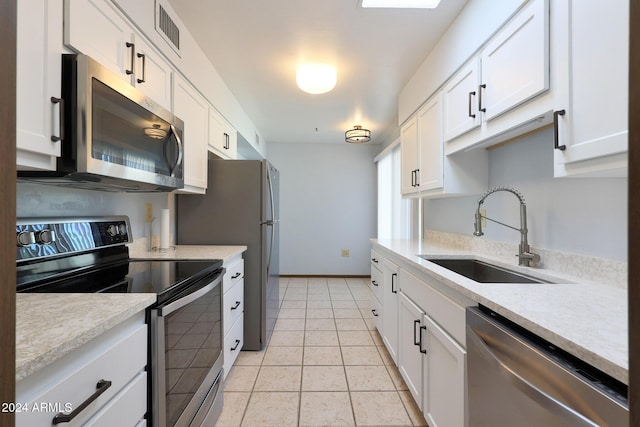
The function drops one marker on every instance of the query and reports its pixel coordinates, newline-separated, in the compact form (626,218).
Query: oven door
(186,357)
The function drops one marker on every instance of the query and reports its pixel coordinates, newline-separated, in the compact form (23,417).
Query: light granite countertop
(49,326)
(586,318)
(225,253)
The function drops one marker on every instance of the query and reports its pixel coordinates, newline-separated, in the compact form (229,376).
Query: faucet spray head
(478,223)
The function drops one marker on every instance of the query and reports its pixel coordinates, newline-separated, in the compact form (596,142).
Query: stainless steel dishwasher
(515,378)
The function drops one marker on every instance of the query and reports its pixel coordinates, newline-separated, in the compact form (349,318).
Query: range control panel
(40,237)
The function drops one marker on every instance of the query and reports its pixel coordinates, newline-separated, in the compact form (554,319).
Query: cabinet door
(39,26)
(596,114)
(460,101)
(390,304)
(222,137)
(515,64)
(430,147)
(152,74)
(93,28)
(444,387)
(193,109)
(410,359)
(409,156)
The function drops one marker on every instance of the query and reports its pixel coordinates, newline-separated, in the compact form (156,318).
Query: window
(394,212)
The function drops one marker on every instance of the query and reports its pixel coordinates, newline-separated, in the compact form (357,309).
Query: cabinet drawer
(234,273)
(439,307)
(120,362)
(233,342)
(376,260)
(127,407)
(376,312)
(233,302)
(377,283)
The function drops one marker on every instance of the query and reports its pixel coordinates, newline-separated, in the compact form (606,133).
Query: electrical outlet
(345,252)
(483,221)
(148,212)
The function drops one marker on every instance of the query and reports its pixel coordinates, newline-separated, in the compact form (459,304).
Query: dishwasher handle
(573,417)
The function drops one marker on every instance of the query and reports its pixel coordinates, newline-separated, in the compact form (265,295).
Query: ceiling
(256,47)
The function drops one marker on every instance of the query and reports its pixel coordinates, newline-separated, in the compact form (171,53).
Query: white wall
(577,215)
(327,203)
(37,200)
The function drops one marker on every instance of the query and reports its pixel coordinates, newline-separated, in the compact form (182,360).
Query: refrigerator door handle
(272,221)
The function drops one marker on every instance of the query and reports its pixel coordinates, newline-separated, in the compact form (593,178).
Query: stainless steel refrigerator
(241,208)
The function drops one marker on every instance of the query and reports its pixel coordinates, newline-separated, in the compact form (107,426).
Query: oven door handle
(171,307)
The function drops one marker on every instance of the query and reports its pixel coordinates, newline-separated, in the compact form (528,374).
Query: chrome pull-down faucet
(525,256)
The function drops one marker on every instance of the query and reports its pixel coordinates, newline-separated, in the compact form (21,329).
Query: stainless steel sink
(481,271)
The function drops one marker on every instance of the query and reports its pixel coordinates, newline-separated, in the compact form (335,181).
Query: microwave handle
(180,150)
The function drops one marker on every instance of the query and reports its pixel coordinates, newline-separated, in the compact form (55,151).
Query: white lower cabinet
(431,357)
(376,285)
(233,311)
(108,374)
(409,353)
(390,307)
(444,373)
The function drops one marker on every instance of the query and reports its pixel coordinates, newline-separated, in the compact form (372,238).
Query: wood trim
(8,211)
(634,213)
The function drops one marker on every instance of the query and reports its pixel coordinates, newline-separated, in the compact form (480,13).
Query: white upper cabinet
(38,110)
(409,157)
(193,109)
(426,171)
(594,128)
(152,74)
(223,138)
(430,145)
(460,100)
(96,29)
(515,63)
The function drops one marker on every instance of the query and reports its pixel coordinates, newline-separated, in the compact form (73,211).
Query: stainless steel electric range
(89,255)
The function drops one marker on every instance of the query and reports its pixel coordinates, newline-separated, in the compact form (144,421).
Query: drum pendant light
(357,135)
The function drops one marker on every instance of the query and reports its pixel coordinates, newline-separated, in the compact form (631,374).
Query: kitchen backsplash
(601,270)
(37,200)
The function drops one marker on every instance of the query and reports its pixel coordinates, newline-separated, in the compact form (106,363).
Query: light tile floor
(325,365)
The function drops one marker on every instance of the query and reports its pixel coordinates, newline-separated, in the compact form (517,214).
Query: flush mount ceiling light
(357,135)
(401,4)
(155,132)
(316,78)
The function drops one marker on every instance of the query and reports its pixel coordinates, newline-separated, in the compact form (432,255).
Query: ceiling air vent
(166,26)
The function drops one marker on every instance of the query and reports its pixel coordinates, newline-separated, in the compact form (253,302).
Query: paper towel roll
(164,229)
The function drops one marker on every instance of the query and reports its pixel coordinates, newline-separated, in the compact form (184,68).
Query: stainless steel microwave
(113,136)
